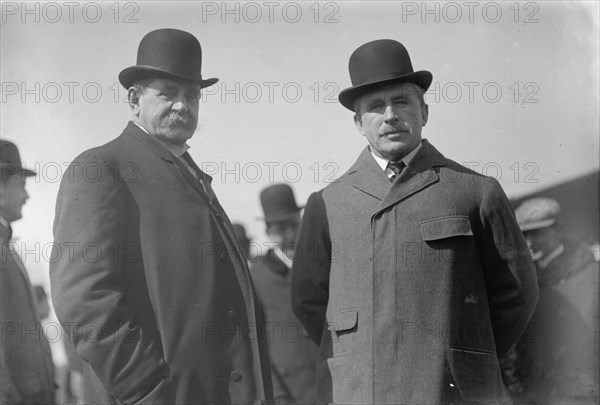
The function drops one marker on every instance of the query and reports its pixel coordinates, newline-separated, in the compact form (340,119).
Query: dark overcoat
(25,360)
(412,287)
(150,283)
(292,352)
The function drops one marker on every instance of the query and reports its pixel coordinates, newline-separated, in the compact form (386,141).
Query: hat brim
(531,226)
(281,217)
(18,170)
(347,97)
(130,75)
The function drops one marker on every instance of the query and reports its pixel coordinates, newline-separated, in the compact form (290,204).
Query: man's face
(12,197)
(285,233)
(391,119)
(168,109)
(541,242)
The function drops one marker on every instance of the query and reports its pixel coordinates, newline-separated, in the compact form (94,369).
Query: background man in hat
(155,292)
(293,354)
(556,359)
(26,362)
(414,274)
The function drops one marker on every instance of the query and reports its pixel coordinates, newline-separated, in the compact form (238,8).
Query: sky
(514,93)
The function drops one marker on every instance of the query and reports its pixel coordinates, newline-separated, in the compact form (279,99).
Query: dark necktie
(8,233)
(194,170)
(394,169)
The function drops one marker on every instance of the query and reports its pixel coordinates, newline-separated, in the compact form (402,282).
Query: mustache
(178,120)
(393,129)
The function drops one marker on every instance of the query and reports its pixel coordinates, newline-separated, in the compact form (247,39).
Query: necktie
(194,170)
(393,169)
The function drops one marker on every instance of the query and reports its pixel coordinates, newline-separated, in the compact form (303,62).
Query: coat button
(231,315)
(236,376)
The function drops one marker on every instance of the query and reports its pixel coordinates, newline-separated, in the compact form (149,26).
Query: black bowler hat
(378,63)
(168,53)
(10,160)
(278,203)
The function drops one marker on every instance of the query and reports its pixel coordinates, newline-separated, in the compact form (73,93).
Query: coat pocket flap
(445,227)
(343,320)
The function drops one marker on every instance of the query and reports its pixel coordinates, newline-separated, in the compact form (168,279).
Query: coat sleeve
(509,272)
(8,389)
(310,271)
(88,293)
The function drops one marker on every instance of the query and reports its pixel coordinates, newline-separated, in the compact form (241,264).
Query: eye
(377,106)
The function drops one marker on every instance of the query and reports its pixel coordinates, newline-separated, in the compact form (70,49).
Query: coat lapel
(160,151)
(366,176)
(419,174)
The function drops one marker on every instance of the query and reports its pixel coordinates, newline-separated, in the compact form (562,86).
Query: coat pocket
(339,326)
(343,321)
(477,374)
(445,227)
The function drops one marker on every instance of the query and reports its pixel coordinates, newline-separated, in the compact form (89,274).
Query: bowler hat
(167,53)
(537,213)
(278,203)
(378,63)
(10,160)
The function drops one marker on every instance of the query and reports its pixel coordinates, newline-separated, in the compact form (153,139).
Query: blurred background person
(556,359)
(243,239)
(293,353)
(26,363)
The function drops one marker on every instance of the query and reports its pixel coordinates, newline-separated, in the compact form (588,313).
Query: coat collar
(160,151)
(275,264)
(366,175)
(420,173)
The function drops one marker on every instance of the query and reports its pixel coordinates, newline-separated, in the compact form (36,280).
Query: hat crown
(379,60)
(10,159)
(380,63)
(9,154)
(278,202)
(172,50)
(170,53)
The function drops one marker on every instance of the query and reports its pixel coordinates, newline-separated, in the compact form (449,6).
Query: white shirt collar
(176,150)
(545,261)
(406,159)
(282,256)
(4,222)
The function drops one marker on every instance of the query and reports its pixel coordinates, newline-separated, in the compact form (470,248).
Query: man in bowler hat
(414,275)
(25,360)
(162,308)
(293,354)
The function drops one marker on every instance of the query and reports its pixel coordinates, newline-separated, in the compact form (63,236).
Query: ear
(425,114)
(133,100)
(358,124)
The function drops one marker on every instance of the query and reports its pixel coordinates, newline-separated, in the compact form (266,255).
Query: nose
(389,114)
(180,103)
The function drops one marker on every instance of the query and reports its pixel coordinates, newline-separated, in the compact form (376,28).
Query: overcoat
(148,280)
(292,352)
(412,287)
(25,360)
